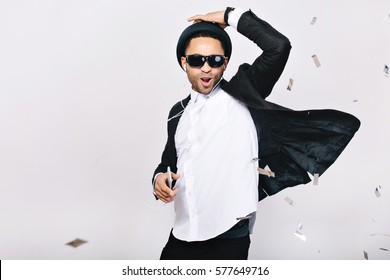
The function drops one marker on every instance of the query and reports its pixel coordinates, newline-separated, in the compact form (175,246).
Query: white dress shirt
(216,142)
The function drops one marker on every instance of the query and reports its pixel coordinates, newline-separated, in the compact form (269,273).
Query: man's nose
(206,67)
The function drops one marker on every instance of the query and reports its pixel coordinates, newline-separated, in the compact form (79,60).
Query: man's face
(203,79)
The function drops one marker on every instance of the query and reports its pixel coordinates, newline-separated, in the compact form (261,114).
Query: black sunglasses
(214,61)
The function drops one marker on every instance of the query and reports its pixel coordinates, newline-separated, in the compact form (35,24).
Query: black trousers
(212,249)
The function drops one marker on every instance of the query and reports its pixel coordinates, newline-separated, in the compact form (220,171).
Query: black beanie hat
(203,27)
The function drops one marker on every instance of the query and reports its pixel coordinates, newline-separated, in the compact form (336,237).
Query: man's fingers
(217,17)
(196,18)
(166,197)
(162,190)
(164,193)
(169,198)
(166,190)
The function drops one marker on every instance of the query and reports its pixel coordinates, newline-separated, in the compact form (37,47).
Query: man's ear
(184,63)
(226,63)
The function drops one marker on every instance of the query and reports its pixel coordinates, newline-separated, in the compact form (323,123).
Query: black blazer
(291,143)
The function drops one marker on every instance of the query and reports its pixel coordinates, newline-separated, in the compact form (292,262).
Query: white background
(85,89)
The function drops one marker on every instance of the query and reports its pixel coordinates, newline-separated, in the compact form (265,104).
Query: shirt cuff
(154,181)
(234,17)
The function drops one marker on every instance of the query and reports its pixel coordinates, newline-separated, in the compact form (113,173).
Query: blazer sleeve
(253,83)
(169,157)
(166,157)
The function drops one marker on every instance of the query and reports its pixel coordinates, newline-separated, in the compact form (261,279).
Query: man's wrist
(226,14)
(154,180)
(234,16)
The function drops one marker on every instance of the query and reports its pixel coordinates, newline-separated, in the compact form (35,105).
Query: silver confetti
(315,181)
(383,234)
(298,233)
(377,193)
(76,243)
(290,84)
(316,61)
(313,21)
(289,200)
(247,217)
(266,171)
(365,255)
(386,70)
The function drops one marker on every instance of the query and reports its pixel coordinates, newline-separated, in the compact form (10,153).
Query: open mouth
(206,82)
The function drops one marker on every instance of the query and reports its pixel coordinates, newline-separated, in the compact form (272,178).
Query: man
(223,133)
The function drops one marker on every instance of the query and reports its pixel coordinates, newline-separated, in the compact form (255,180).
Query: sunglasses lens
(195,60)
(214,61)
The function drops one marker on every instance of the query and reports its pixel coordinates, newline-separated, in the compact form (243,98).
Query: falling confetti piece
(384,249)
(316,61)
(245,218)
(290,84)
(386,70)
(267,168)
(355,100)
(365,255)
(289,200)
(76,243)
(384,234)
(315,180)
(377,193)
(266,171)
(313,21)
(298,233)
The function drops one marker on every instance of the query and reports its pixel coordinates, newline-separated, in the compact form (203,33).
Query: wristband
(226,14)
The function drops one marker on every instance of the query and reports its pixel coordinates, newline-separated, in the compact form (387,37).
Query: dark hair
(204,34)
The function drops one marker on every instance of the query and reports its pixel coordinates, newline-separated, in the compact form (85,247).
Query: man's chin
(204,91)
